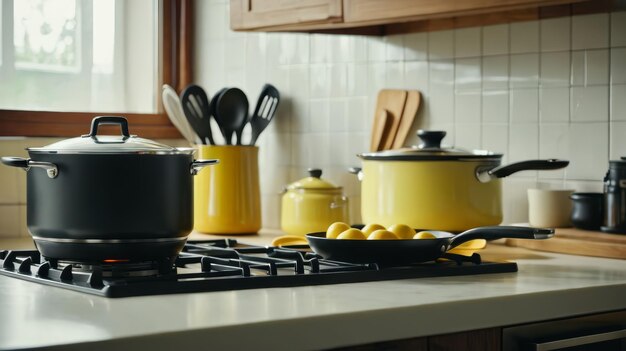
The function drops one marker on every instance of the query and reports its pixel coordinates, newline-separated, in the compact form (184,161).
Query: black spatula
(264,111)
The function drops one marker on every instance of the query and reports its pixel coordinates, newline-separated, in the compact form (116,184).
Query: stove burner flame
(115,260)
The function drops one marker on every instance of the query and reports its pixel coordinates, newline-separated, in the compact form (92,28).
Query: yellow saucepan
(428,186)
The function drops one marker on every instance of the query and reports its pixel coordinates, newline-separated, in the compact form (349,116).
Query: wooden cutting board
(393,101)
(409,114)
(379,130)
(578,242)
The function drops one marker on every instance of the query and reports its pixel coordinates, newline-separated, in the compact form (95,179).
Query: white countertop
(547,286)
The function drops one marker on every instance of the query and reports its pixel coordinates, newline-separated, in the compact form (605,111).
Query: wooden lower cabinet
(475,340)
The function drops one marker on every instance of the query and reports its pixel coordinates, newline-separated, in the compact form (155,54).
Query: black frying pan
(397,252)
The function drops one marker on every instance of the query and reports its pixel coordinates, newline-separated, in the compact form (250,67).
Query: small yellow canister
(227,198)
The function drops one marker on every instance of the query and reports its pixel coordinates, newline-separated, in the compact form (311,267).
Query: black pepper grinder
(615,197)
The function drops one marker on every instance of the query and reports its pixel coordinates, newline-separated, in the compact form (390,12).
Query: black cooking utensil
(214,105)
(231,113)
(197,110)
(264,111)
(398,252)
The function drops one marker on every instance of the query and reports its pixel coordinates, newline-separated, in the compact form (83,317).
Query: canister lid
(109,144)
(430,149)
(313,182)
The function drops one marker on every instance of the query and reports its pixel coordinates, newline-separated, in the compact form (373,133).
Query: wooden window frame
(176,17)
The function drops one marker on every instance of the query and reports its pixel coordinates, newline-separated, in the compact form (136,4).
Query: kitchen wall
(549,88)
(540,89)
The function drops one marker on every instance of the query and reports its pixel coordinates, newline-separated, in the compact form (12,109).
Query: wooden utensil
(579,242)
(408,117)
(393,101)
(381,127)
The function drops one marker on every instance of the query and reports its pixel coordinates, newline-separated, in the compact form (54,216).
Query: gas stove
(224,264)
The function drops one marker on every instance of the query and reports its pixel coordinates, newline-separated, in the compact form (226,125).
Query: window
(64,61)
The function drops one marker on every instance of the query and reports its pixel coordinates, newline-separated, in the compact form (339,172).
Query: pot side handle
(499,232)
(356,170)
(197,165)
(485,175)
(26,163)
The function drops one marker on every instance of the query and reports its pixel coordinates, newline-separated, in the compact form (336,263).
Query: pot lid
(313,182)
(429,149)
(124,143)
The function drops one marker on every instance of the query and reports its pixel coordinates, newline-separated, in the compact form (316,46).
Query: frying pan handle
(486,174)
(499,232)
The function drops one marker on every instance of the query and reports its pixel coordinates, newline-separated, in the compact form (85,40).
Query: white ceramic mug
(549,208)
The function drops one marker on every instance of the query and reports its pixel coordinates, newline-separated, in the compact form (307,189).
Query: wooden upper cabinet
(393,11)
(384,17)
(260,14)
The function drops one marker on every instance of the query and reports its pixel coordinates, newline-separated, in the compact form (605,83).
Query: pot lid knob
(315,172)
(431,139)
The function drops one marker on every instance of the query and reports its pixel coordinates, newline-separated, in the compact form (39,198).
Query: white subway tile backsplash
(590,31)
(394,75)
(441,73)
(394,48)
(589,104)
(440,45)
(523,143)
(495,39)
(416,46)
(358,49)
(320,48)
(441,104)
(319,81)
(618,68)
(356,79)
(578,68)
(467,107)
(618,102)
(618,28)
(467,74)
(555,69)
(338,80)
(555,34)
(495,71)
(495,137)
(524,106)
(467,42)
(416,76)
(319,116)
(376,49)
(468,136)
(340,46)
(524,37)
(524,71)
(495,106)
(554,143)
(597,67)
(586,162)
(358,114)
(338,112)
(618,141)
(554,104)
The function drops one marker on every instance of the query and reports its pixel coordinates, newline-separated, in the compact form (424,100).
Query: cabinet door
(257,14)
(386,11)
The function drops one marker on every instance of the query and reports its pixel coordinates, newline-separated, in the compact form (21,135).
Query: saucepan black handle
(499,232)
(485,175)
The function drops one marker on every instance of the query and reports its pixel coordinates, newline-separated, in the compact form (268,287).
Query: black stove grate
(225,264)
